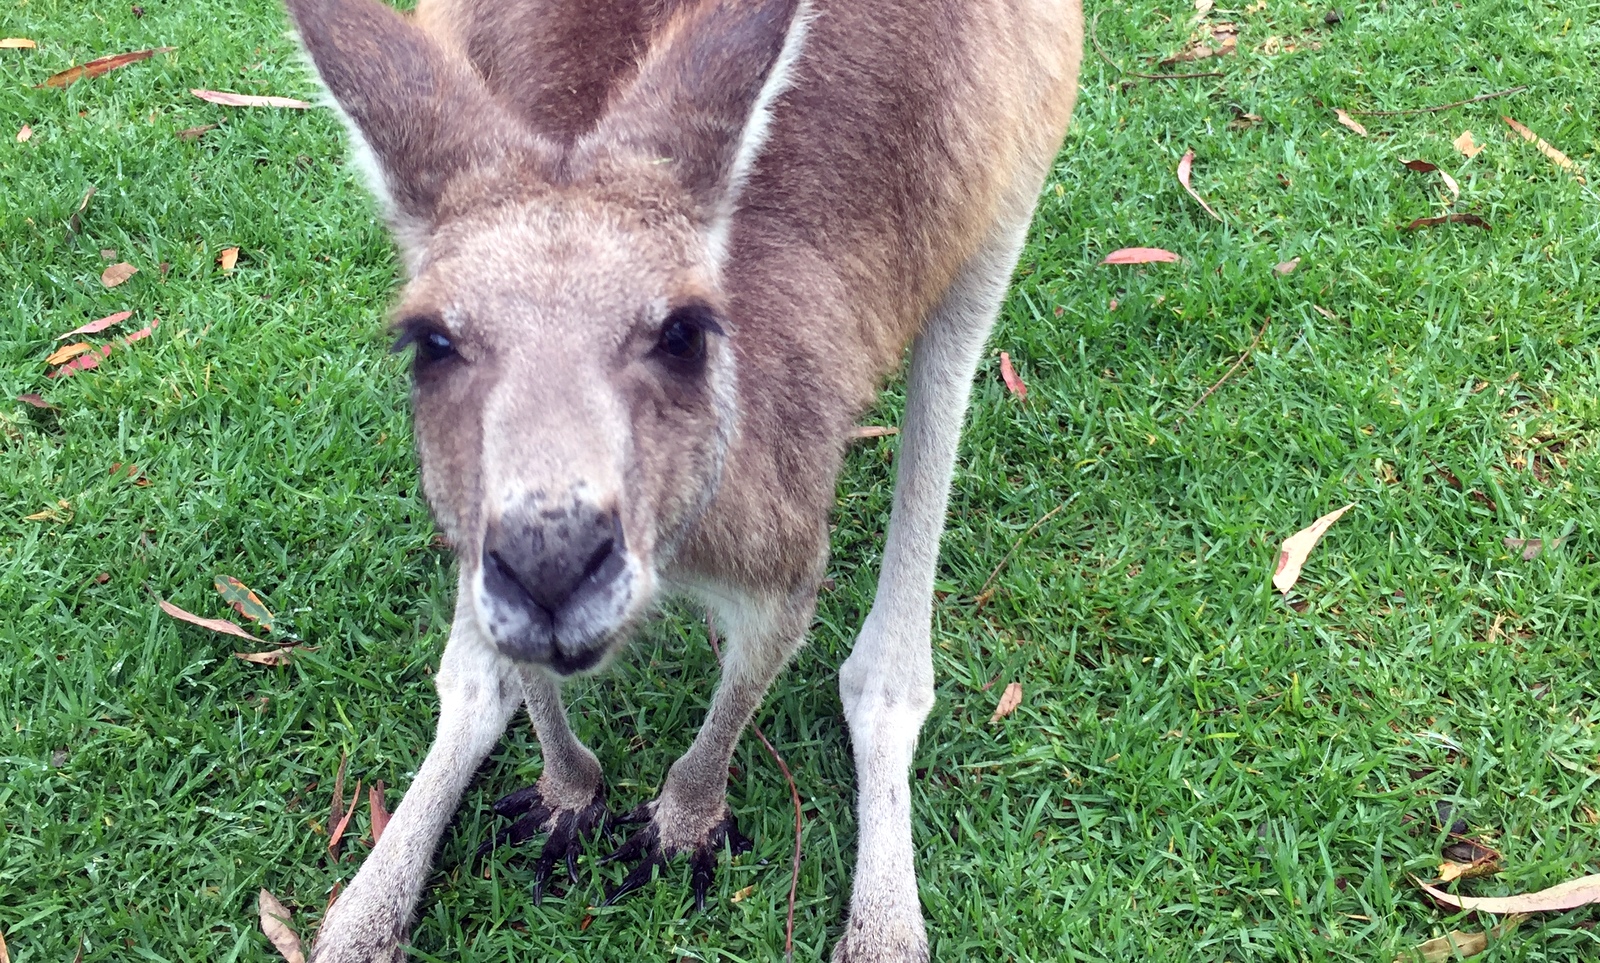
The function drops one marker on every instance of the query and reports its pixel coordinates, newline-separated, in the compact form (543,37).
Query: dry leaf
(1420,166)
(1450,870)
(275,919)
(1456,945)
(62,355)
(215,625)
(76,219)
(1569,895)
(337,833)
(1466,145)
(17,43)
(873,431)
(1203,7)
(1009,700)
(336,810)
(379,813)
(37,400)
(1350,122)
(143,332)
(83,362)
(117,273)
(195,133)
(1561,160)
(228,258)
(1451,185)
(244,601)
(1223,34)
(281,656)
(228,99)
(1185,165)
(5,951)
(1531,547)
(1286,267)
(25,134)
(739,895)
(96,326)
(1472,219)
(1244,121)
(1324,312)
(1297,547)
(104,65)
(1008,374)
(1140,255)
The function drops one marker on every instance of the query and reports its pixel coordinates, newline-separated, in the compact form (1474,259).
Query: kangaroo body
(662,253)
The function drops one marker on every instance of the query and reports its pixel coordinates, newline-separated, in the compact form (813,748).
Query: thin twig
(1434,110)
(983,593)
(1095,39)
(794,794)
(1226,374)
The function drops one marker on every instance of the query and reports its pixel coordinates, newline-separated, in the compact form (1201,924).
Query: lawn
(1201,769)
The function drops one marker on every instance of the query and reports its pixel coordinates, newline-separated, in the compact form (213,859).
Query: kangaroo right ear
(418,116)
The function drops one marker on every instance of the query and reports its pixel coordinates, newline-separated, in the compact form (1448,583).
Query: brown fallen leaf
(76,220)
(377,811)
(117,273)
(1350,122)
(1010,699)
(25,134)
(1141,255)
(740,895)
(1324,312)
(1569,895)
(229,99)
(1456,945)
(83,362)
(215,625)
(1471,219)
(873,431)
(17,43)
(1185,166)
(67,353)
(275,923)
(336,810)
(1008,374)
(1561,160)
(228,258)
(1297,548)
(1450,870)
(1466,145)
(1420,166)
(337,832)
(104,65)
(243,600)
(281,656)
(37,400)
(1210,40)
(1451,185)
(94,327)
(1531,547)
(1244,121)
(1286,267)
(195,133)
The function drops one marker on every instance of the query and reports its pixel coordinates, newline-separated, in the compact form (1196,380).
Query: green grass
(1199,771)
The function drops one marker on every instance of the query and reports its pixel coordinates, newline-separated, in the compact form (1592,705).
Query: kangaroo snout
(555,583)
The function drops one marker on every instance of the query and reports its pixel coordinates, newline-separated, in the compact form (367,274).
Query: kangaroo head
(573,378)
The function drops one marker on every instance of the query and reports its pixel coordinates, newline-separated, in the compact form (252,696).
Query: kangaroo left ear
(703,97)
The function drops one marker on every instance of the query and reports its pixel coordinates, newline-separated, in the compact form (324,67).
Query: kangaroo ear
(703,96)
(418,116)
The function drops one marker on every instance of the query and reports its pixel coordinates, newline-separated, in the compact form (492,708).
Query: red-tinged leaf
(282,656)
(1009,375)
(244,601)
(1350,122)
(5,951)
(215,625)
(82,362)
(1185,166)
(1471,219)
(228,99)
(1010,699)
(337,833)
(64,354)
(24,134)
(1569,895)
(117,273)
(195,133)
(104,65)
(1420,166)
(336,811)
(275,923)
(17,43)
(1297,548)
(379,812)
(143,333)
(94,327)
(1286,267)
(37,400)
(227,259)
(1141,255)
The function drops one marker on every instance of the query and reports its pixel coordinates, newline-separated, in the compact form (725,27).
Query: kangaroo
(660,255)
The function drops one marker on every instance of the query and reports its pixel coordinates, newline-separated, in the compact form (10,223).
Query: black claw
(703,857)
(703,869)
(519,802)
(565,827)
(634,846)
(636,878)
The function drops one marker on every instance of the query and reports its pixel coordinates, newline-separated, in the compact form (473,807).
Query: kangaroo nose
(551,557)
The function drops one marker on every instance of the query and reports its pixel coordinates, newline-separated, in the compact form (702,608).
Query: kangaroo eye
(434,347)
(682,341)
